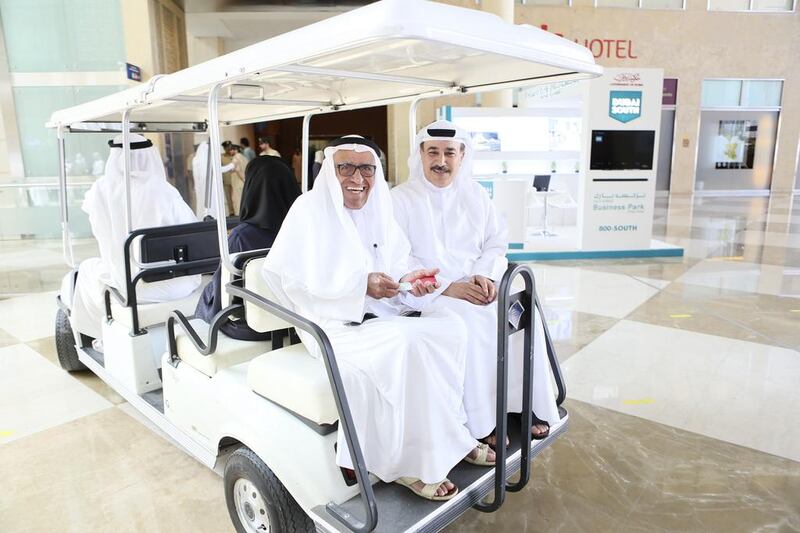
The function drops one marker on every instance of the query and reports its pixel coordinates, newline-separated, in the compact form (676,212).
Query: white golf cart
(267,412)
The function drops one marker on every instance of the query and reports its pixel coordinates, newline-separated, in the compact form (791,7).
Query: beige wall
(138,37)
(155,36)
(155,40)
(689,45)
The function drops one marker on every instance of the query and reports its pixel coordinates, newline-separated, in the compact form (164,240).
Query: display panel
(622,150)
(541,182)
(735,144)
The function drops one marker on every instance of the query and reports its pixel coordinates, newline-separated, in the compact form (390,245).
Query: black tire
(65,344)
(282,511)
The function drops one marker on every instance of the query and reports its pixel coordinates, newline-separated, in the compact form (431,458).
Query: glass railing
(32,210)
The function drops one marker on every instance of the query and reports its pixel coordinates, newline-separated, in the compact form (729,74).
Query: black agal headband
(147,143)
(436,132)
(356,140)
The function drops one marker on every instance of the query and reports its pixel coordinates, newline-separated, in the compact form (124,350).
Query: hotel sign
(603,48)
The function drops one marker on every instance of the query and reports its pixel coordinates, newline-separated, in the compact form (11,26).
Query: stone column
(504,9)
(397,124)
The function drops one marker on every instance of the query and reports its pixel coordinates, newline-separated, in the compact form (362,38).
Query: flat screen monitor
(541,182)
(622,150)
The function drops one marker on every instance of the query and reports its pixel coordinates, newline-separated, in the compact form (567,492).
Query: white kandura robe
(403,376)
(154,203)
(200,176)
(456,229)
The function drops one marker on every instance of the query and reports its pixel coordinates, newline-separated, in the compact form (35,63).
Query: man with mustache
(339,260)
(451,222)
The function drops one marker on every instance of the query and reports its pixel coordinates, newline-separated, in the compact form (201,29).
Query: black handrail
(345,418)
(504,300)
(130,300)
(207,347)
(529,299)
(526,417)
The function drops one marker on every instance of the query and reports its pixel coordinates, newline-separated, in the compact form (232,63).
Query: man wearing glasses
(341,260)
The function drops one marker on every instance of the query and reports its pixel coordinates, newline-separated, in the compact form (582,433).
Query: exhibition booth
(572,169)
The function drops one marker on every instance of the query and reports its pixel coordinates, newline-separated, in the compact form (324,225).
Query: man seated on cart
(338,260)
(451,222)
(154,203)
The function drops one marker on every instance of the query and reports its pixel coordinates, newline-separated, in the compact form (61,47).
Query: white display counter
(591,212)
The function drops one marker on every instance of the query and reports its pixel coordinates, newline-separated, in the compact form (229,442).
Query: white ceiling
(240,24)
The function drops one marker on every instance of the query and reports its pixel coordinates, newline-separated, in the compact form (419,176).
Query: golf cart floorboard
(94,354)
(154,398)
(400,510)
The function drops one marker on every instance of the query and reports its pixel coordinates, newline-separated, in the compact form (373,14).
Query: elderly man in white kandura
(341,260)
(451,222)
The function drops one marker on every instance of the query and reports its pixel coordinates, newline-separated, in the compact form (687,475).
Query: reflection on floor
(682,377)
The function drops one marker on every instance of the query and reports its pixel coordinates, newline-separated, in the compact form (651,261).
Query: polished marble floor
(683,379)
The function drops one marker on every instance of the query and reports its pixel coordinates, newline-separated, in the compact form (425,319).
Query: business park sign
(616,200)
(624,106)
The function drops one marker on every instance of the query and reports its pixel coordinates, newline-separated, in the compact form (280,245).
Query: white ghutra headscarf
(154,203)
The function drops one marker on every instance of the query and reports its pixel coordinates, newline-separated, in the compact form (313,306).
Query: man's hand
(419,287)
(487,286)
(477,290)
(379,285)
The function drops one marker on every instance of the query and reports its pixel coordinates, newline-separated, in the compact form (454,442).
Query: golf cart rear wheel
(257,501)
(65,344)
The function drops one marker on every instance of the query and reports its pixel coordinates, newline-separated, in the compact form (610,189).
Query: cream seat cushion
(229,351)
(290,376)
(258,319)
(295,380)
(156,313)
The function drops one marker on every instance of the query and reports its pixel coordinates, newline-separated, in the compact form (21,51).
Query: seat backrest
(183,243)
(239,259)
(257,318)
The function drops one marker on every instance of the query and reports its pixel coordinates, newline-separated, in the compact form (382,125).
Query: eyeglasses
(348,169)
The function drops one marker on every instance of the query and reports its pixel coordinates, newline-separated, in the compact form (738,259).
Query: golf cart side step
(400,510)
(154,398)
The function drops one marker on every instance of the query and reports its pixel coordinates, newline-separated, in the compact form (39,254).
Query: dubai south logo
(625,106)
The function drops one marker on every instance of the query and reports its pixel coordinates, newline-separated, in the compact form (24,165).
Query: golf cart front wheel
(65,344)
(257,501)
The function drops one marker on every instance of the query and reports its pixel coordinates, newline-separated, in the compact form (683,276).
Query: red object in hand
(427,279)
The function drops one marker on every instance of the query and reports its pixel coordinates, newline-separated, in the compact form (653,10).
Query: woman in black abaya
(268,193)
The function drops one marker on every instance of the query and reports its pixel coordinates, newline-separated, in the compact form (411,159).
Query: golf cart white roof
(386,52)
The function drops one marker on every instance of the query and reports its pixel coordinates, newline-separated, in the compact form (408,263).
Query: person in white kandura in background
(154,203)
(200,174)
(236,176)
(339,260)
(451,222)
